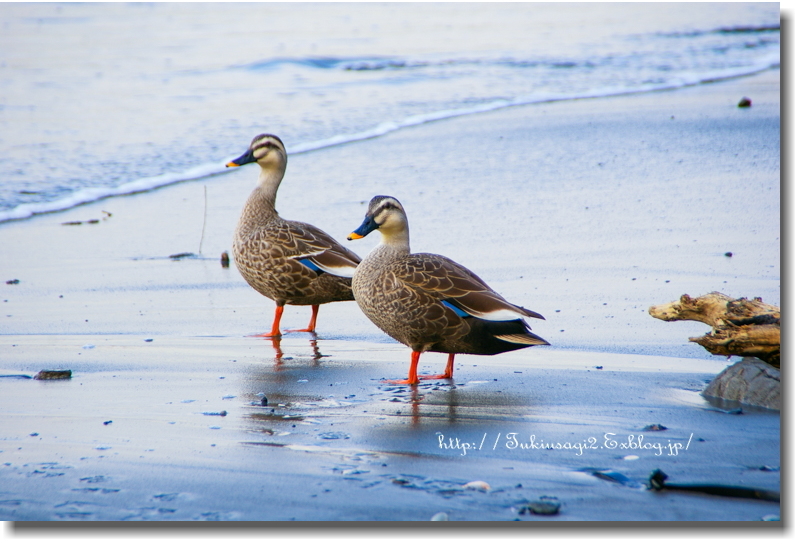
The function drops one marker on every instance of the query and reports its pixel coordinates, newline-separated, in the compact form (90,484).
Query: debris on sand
(53,375)
(658,483)
(182,255)
(747,328)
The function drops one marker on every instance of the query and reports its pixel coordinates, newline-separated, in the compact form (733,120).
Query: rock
(545,506)
(750,382)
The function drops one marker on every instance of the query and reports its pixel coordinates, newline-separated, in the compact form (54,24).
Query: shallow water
(107,99)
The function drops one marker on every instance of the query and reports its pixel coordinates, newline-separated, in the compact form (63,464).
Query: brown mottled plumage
(429,302)
(290,262)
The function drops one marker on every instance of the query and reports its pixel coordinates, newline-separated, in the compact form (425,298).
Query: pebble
(477,486)
(654,428)
(543,507)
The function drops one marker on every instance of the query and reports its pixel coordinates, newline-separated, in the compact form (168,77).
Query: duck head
(385,214)
(267,150)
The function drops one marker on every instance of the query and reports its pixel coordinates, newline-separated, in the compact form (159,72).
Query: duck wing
(458,288)
(317,250)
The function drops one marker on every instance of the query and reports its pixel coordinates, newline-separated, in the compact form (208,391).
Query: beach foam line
(143,185)
(92,194)
(415,120)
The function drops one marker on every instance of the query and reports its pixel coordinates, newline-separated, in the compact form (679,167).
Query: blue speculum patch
(311,265)
(460,312)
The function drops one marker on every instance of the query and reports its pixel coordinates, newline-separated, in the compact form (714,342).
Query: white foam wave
(392,126)
(92,194)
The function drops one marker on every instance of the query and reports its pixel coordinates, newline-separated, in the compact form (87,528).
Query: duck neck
(260,207)
(268,181)
(392,246)
(397,241)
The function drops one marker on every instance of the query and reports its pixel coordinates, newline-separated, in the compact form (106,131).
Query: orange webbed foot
(435,376)
(267,335)
(408,382)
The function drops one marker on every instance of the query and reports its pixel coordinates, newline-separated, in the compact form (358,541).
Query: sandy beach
(596,209)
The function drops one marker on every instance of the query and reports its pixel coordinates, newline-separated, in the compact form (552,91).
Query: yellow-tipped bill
(364,229)
(248,157)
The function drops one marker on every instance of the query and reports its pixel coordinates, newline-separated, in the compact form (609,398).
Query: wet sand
(538,201)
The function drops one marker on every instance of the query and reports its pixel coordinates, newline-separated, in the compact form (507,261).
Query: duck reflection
(279,355)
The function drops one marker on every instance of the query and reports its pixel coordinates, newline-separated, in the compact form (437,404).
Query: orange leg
(412,371)
(276,325)
(311,325)
(448,370)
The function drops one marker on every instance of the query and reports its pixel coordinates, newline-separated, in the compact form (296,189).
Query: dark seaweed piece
(658,483)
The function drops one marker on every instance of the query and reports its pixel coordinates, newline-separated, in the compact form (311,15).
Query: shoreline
(209,170)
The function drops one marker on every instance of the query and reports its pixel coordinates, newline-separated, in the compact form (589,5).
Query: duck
(290,262)
(429,302)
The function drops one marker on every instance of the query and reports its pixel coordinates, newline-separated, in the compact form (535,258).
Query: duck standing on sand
(429,302)
(290,262)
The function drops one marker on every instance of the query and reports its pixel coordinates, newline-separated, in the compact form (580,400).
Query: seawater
(98,100)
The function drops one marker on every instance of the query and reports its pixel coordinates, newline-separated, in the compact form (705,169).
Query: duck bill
(364,229)
(247,158)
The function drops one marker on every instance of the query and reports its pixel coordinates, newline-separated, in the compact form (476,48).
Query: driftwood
(747,328)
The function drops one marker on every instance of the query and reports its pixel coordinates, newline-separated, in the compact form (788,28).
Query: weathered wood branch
(747,328)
